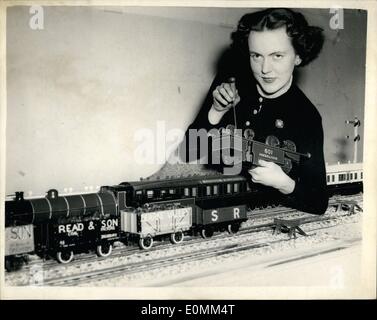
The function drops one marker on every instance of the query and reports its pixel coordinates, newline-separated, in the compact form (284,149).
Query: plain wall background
(78,90)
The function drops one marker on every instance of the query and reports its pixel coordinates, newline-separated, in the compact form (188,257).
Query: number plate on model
(264,152)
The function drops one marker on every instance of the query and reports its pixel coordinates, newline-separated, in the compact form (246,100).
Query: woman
(267,48)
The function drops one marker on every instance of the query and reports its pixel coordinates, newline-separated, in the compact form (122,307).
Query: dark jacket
(289,117)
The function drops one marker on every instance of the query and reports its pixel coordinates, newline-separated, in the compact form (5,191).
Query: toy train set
(144,211)
(139,212)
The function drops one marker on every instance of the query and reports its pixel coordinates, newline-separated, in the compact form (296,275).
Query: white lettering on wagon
(71,229)
(110,224)
(268,151)
(21,233)
(214,215)
(268,156)
(236,213)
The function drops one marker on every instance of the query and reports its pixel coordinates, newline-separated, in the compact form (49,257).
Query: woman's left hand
(270,174)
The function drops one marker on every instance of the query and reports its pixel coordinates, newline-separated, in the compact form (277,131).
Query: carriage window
(361,175)
(236,187)
(194,191)
(348,176)
(343,177)
(139,193)
(328,178)
(208,190)
(333,178)
(150,194)
(351,176)
(162,193)
(171,191)
(355,175)
(228,188)
(186,192)
(215,189)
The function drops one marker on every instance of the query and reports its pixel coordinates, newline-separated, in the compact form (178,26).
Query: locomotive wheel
(230,127)
(206,233)
(64,256)
(249,134)
(177,237)
(146,243)
(289,145)
(272,141)
(104,250)
(233,227)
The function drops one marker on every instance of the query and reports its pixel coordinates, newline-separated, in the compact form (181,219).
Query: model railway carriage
(140,212)
(344,178)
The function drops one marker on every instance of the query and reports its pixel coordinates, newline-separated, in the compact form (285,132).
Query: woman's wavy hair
(306,40)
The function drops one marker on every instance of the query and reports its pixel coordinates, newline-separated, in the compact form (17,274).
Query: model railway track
(262,220)
(270,263)
(142,266)
(134,268)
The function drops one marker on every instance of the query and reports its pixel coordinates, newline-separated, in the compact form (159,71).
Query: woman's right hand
(225,96)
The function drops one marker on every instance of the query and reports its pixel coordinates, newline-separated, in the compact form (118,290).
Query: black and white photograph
(217,151)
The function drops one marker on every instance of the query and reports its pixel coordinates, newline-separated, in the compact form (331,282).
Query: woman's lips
(268,80)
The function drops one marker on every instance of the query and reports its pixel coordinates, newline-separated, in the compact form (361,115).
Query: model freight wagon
(161,219)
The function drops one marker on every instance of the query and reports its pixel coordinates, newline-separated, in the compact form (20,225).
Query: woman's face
(272,59)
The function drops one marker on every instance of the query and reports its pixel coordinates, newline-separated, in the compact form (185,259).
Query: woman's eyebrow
(277,52)
(270,54)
